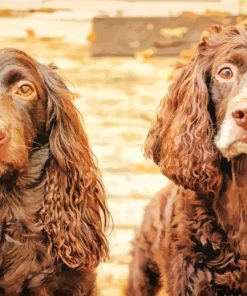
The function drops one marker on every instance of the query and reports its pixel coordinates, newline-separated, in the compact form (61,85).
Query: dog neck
(21,196)
(231,206)
(21,200)
(36,167)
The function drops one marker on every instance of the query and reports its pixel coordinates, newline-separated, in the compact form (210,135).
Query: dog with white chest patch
(193,239)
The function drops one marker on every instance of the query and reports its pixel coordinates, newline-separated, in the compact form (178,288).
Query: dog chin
(235,149)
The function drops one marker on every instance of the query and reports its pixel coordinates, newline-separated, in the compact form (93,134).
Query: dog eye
(25,90)
(225,73)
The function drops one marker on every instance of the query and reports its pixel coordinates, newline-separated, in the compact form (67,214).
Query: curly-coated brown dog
(193,240)
(52,202)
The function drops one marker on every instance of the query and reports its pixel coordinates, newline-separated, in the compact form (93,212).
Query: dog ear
(180,139)
(74,212)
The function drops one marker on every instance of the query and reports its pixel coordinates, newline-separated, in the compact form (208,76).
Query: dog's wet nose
(240,117)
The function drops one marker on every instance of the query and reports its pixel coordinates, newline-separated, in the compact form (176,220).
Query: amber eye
(25,90)
(226,73)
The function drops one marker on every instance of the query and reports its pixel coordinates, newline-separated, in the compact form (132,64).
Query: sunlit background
(117,57)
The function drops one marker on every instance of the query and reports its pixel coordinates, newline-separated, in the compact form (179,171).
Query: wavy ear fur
(74,212)
(180,139)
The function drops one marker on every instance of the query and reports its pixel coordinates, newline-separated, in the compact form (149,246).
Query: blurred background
(117,57)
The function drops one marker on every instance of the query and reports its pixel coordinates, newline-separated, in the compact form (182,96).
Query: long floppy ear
(180,139)
(74,212)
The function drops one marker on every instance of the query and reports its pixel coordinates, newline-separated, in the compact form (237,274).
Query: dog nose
(240,117)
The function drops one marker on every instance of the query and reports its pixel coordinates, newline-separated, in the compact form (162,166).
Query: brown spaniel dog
(52,202)
(193,240)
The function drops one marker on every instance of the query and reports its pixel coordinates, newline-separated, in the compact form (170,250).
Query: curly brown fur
(194,233)
(52,212)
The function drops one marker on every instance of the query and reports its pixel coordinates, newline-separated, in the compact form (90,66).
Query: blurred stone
(155,36)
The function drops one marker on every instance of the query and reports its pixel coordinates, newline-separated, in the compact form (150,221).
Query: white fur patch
(229,131)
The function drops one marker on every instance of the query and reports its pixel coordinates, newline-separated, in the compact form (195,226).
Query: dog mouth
(235,149)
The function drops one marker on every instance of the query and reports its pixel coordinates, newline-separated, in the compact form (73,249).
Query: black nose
(240,117)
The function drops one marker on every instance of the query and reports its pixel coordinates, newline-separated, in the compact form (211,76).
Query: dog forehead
(236,55)
(14,53)
(15,65)
(14,57)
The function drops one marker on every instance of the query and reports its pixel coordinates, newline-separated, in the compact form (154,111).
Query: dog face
(229,94)
(22,109)
(203,117)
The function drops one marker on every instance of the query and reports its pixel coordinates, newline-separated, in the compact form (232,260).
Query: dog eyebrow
(238,58)
(12,76)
